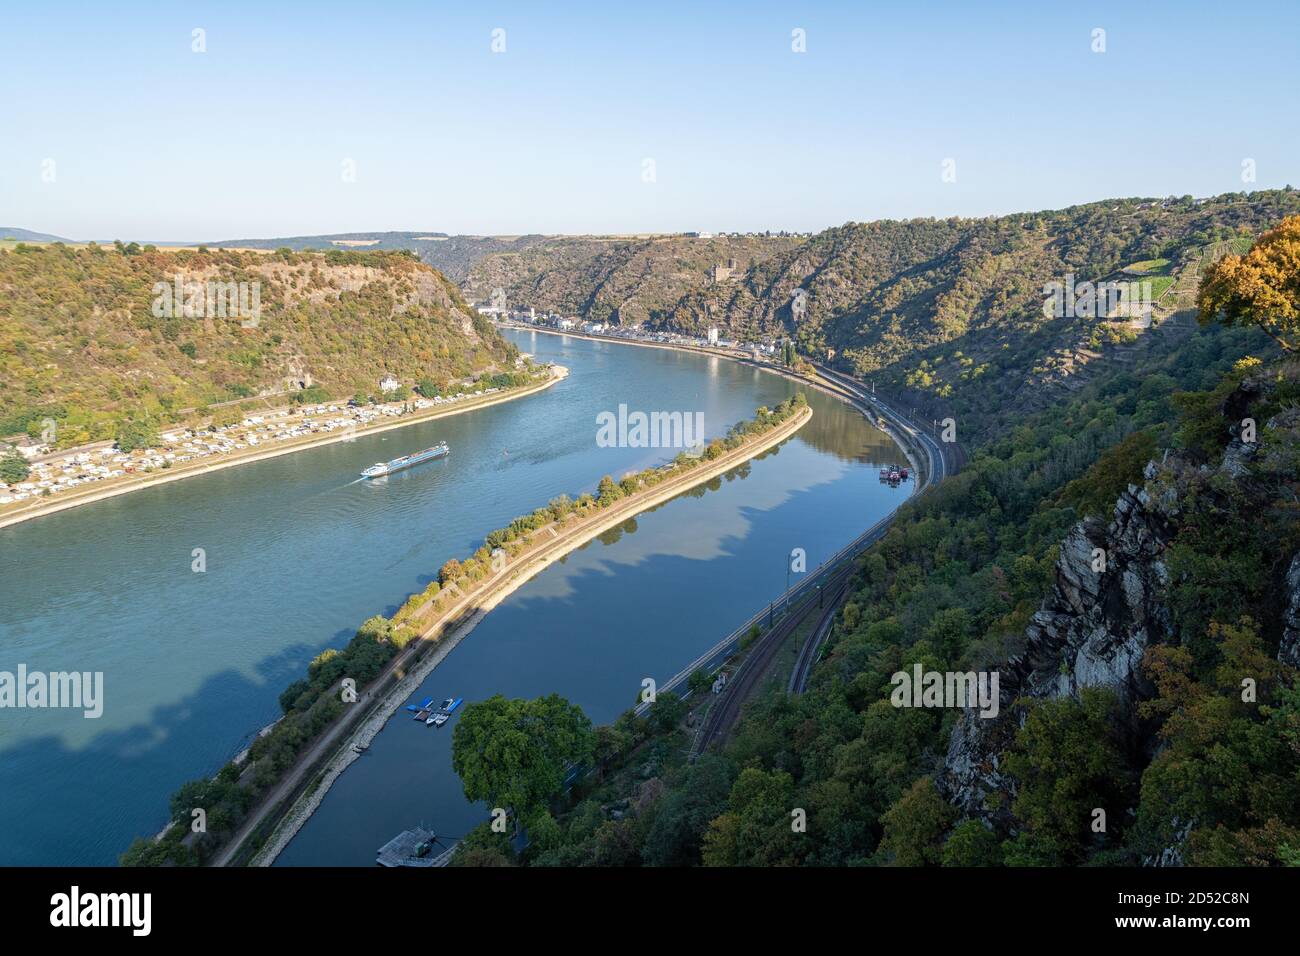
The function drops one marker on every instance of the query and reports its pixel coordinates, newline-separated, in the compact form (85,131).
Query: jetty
(417,847)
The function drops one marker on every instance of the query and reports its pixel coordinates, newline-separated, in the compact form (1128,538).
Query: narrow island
(256,803)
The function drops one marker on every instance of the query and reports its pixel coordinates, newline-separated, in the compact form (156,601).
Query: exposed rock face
(1098,621)
(1289,650)
(1103,612)
(1237,457)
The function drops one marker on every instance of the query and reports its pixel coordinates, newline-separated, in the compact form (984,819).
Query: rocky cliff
(1109,602)
(1105,609)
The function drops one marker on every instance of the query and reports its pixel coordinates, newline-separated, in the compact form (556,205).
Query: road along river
(640,601)
(298,553)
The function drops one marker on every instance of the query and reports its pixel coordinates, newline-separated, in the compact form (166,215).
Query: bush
(134,434)
(311,395)
(14,468)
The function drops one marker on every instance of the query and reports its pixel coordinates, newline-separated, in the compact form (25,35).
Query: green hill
(946,315)
(627,281)
(88,336)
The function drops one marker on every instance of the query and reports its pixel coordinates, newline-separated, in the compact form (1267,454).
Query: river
(298,553)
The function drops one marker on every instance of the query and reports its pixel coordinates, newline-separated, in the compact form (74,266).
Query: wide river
(299,553)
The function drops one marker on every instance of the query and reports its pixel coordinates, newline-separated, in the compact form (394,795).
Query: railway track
(808,651)
(726,710)
(723,715)
(825,600)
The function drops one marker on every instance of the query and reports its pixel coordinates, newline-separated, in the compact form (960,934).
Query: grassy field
(1155,267)
(1159,285)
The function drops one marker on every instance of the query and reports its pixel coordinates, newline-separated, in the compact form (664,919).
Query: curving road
(861,397)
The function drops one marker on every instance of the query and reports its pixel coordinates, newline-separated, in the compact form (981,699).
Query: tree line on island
(312,703)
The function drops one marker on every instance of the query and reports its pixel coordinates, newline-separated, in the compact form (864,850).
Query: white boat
(381,468)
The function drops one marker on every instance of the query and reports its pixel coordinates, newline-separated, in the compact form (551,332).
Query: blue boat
(381,469)
(421,710)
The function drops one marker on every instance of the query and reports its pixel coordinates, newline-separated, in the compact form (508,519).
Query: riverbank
(889,420)
(735,355)
(43,507)
(341,745)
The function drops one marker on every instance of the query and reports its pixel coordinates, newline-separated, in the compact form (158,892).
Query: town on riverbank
(35,480)
(767,348)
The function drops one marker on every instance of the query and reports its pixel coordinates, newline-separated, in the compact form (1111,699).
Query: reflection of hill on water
(840,430)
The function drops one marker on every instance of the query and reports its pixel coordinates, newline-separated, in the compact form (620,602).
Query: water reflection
(298,554)
(643,599)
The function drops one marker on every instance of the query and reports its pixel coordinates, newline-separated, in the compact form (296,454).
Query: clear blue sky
(152,141)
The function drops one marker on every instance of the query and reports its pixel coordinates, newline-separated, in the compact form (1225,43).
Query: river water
(298,553)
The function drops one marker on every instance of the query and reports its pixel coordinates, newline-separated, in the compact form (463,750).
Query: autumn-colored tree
(449,572)
(1261,288)
(1223,787)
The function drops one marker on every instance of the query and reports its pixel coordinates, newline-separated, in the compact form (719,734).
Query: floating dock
(422,709)
(403,849)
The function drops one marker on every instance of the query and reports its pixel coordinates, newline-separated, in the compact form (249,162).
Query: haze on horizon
(403,117)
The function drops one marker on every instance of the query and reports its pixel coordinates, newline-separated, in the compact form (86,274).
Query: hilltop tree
(514,753)
(1261,288)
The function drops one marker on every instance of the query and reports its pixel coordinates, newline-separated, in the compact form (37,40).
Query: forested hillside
(619,280)
(1122,692)
(946,315)
(92,335)
(1127,561)
(453,256)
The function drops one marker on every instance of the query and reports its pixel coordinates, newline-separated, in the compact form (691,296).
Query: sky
(507,118)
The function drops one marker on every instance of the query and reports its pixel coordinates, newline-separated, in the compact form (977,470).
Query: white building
(713,335)
(389,384)
(30,449)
